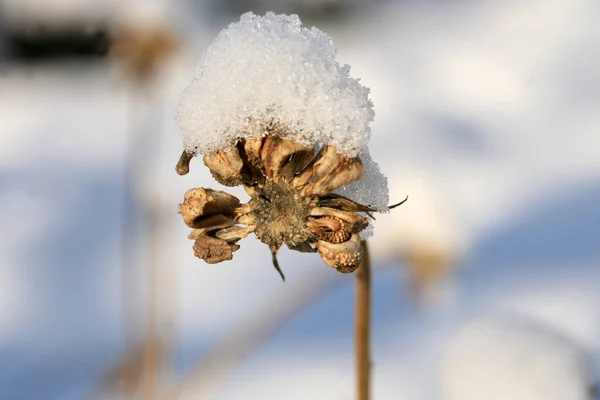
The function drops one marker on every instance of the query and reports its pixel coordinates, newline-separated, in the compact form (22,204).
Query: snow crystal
(270,72)
(502,358)
(372,189)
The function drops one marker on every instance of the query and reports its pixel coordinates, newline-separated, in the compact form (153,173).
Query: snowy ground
(487,116)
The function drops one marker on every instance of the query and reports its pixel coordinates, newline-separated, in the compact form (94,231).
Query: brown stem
(362,325)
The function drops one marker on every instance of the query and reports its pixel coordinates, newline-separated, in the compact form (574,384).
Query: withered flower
(271,110)
(291,202)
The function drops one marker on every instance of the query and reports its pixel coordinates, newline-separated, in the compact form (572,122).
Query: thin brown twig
(362,326)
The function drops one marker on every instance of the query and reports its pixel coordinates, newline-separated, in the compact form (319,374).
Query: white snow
(499,358)
(272,72)
(372,189)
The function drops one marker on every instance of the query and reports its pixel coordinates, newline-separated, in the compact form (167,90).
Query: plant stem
(362,326)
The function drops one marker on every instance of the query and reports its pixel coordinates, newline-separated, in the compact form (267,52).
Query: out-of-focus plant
(142,45)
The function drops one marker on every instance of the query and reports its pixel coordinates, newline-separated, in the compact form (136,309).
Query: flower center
(281,213)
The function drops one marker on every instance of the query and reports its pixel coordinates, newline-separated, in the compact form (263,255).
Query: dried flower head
(271,110)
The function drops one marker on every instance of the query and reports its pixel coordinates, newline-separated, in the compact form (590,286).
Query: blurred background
(488,117)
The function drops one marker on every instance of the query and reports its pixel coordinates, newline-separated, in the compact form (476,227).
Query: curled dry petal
(234,233)
(330,229)
(348,170)
(246,219)
(183,165)
(345,257)
(214,250)
(226,166)
(212,223)
(343,172)
(297,162)
(341,203)
(252,148)
(199,204)
(356,222)
(330,171)
(283,157)
(327,162)
(306,174)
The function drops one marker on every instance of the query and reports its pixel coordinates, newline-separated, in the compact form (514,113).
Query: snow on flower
(271,72)
(271,110)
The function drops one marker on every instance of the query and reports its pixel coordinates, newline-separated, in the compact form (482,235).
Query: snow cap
(270,72)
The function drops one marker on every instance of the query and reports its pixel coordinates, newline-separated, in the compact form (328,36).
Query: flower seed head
(290,202)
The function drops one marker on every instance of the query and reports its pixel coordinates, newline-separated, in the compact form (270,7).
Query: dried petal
(342,203)
(226,166)
(213,250)
(348,170)
(345,257)
(252,148)
(250,190)
(296,163)
(330,229)
(306,174)
(328,160)
(277,152)
(246,219)
(234,233)
(356,222)
(183,165)
(200,203)
(334,171)
(212,223)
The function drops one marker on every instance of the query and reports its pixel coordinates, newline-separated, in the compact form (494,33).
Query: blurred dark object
(311,11)
(313,8)
(143,48)
(41,43)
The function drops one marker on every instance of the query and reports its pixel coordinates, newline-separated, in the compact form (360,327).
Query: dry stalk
(362,326)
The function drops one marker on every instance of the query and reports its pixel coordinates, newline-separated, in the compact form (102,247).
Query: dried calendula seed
(201,203)
(276,153)
(347,171)
(213,250)
(331,171)
(226,166)
(211,223)
(183,165)
(330,229)
(356,222)
(344,257)
(252,150)
(234,233)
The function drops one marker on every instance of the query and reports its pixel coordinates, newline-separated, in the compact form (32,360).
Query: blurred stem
(362,326)
(146,331)
(154,352)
